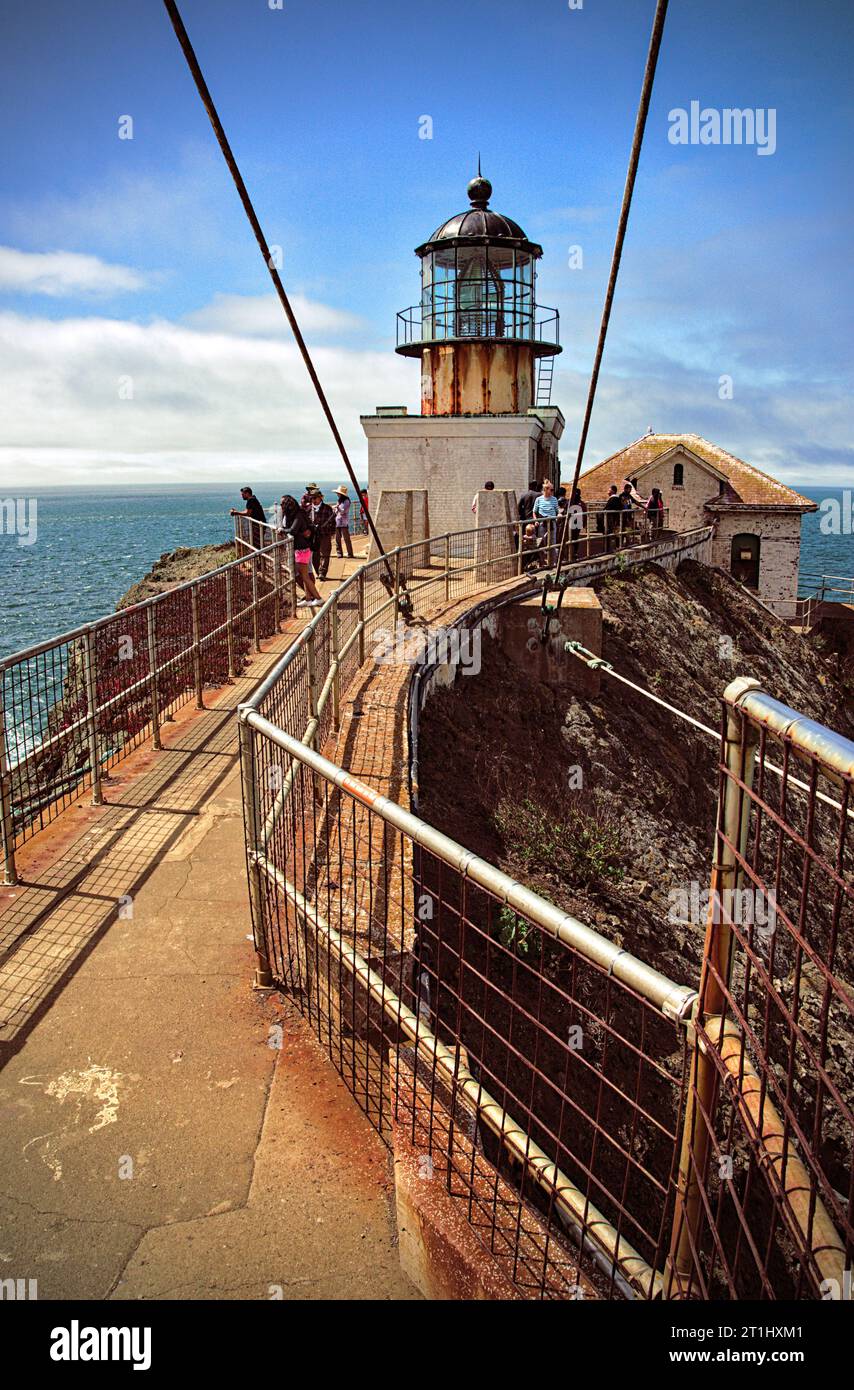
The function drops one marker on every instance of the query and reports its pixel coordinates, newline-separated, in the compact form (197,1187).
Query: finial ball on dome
(479,191)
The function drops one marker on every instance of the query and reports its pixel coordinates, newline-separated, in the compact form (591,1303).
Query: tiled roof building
(757,518)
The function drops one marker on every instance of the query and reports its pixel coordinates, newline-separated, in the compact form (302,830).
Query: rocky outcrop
(176,567)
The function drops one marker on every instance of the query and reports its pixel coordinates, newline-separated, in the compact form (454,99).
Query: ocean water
(92,545)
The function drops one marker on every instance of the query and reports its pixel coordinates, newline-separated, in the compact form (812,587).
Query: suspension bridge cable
(634,158)
(222,140)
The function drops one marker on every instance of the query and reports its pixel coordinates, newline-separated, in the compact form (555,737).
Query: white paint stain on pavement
(94,1086)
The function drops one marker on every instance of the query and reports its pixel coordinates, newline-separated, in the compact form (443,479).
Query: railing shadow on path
(57,915)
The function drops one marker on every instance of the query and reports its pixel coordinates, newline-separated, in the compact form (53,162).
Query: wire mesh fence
(769,1153)
(568,1096)
(537,1083)
(544,1090)
(74,707)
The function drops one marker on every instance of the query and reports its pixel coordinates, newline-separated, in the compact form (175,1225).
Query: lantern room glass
(477,291)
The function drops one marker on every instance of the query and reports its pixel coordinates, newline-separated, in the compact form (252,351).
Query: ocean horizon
(92,545)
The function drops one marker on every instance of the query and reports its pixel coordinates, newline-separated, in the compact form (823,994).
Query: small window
(678,475)
(722,486)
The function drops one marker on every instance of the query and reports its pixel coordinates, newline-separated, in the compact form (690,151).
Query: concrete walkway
(166,1133)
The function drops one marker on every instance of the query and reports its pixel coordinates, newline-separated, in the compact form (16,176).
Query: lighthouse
(486,352)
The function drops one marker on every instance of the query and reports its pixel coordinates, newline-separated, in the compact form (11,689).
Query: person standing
(323,519)
(527,500)
(627,520)
(576,513)
(655,509)
(342,522)
(613,518)
(545,513)
(254,510)
(296,523)
(525,507)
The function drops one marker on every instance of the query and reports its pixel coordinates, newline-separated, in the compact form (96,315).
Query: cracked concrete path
(155,1139)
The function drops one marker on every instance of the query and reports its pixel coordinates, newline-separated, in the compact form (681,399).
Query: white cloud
(163,392)
(61,273)
(262,316)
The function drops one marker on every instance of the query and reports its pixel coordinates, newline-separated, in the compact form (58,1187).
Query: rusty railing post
(733,823)
(277,587)
(292,577)
(249,772)
(360,589)
(447,568)
(256,641)
(197,649)
(229,622)
(154,692)
(7,821)
(90,679)
(396,612)
(311,664)
(336,674)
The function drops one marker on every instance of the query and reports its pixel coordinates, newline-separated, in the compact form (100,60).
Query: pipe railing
(74,705)
(294,710)
(323,848)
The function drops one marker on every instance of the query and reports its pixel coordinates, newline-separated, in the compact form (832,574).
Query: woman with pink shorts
(295,523)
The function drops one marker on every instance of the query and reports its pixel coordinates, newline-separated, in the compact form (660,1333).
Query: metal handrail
(277,563)
(538,324)
(674,1002)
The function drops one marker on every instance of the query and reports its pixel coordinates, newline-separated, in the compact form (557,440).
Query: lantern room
(478,329)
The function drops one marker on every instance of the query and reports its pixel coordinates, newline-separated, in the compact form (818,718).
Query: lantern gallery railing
(72,707)
(567,1095)
(480,318)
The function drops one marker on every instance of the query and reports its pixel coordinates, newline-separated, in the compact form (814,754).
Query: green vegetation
(516,933)
(580,845)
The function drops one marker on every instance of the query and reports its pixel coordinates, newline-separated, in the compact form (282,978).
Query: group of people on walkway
(542,509)
(311,523)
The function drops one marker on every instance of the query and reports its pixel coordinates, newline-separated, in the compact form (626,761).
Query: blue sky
(139,336)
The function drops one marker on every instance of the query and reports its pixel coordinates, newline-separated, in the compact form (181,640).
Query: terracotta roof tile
(747,486)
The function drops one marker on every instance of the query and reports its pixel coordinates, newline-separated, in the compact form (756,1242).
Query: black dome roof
(480,220)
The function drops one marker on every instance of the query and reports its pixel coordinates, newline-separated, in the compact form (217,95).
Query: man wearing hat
(342,522)
(309,497)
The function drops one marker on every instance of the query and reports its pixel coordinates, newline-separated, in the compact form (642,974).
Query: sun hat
(342,490)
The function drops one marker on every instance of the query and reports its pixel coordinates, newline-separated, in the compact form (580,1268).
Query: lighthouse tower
(479,336)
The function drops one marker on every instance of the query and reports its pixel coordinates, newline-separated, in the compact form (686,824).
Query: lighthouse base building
(450,457)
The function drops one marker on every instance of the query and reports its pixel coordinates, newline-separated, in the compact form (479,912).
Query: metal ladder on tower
(545,373)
